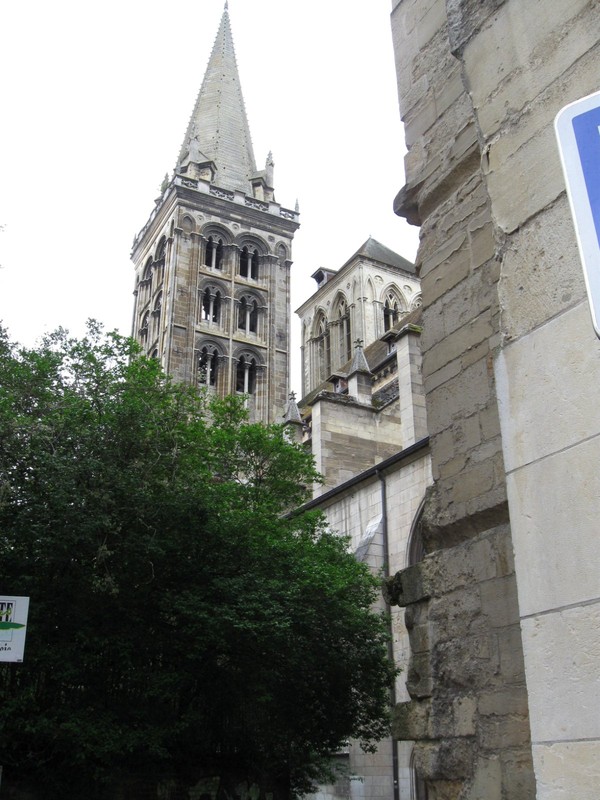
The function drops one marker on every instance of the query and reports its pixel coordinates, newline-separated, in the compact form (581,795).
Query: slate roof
(218,128)
(379,252)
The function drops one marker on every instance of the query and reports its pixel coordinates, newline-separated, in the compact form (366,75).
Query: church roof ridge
(218,127)
(373,249)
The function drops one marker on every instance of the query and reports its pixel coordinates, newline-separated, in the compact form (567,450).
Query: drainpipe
(386,573)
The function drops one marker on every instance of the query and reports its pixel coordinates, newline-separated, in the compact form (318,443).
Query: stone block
(418,680)
(509,645)
(461,340)
(499,601)
(503,701)
(474,481)
(518,778)
(448,760)
(567,771)
(487,780)
(560,535)
(541,271)
(420,639)
(551,391)
(499,734)
(562,653)
(513,202)
(464,664)
(409,585)
(410,721)
(529,49)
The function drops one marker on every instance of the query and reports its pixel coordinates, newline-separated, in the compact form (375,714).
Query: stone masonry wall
(445,193)
(522,63)
(468,707)
(469,712)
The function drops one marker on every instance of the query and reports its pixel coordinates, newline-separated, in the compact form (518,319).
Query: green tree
(180,621)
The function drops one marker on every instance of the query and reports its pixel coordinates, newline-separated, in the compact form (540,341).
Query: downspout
(386,573)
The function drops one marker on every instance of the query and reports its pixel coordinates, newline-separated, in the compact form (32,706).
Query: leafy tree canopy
(180,622)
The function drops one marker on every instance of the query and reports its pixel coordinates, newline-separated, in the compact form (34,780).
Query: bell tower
(212,263)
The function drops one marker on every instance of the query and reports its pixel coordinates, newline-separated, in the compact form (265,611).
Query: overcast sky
(95,99)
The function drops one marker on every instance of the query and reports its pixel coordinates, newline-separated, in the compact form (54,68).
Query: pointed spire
(218,130)
(292,412)
(359,361)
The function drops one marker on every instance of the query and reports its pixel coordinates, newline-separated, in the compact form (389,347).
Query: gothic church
(212,303)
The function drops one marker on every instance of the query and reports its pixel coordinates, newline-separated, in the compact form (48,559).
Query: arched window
(146,282)
(213,255)
(144,324)
(156,315)
(322,351)
(211,305)
(391,311)
(281,254)
(159,261)
(418,788)
(208,366)
(249,263)
(245,375)
(344,332)
(248,315)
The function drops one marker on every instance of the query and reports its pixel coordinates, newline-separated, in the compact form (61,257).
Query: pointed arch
(341,318)
(145,285)
(156,315)
(321,347)
(161,248)
(394,305)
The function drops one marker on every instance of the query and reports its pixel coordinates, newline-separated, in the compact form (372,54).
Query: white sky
(95,98)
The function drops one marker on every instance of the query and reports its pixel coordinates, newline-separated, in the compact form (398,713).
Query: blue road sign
(578,132)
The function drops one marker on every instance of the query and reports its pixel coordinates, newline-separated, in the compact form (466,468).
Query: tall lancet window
(156,311)
(344,332)
(208,364)
(322,349)
(245,376)
(391,311)
(211,305)
(248,315)
(146,282)
(144,324)
(213,255)
(249,263)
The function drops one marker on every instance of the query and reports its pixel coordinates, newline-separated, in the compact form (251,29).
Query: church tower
(212,264)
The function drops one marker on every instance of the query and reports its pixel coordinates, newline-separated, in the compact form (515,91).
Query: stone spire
(218,130)
(359,377)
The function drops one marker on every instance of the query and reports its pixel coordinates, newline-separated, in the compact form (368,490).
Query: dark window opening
(213,255)
(245,377)
(208,366)
(211,306)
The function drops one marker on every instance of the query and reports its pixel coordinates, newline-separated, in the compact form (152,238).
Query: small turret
(360,376)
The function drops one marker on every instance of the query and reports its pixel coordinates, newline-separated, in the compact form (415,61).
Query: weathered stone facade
(367,429)
(510,367)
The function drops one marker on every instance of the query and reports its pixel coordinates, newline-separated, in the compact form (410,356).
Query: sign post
(13,625)
(577,129)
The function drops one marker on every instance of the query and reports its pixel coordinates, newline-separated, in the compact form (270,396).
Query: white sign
(13,626)
(578,132)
